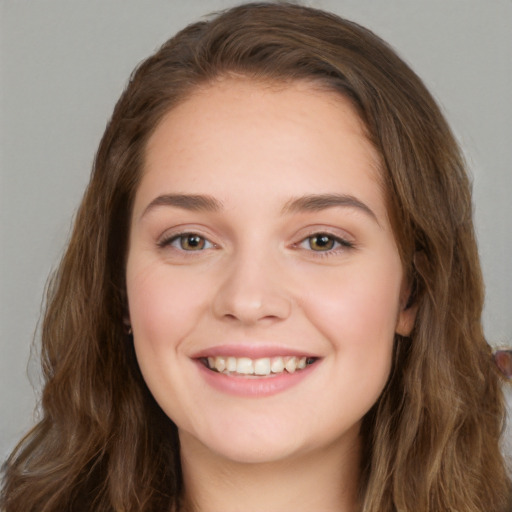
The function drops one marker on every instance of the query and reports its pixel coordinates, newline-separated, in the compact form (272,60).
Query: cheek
(164,309)
(163,306)
(359,303)
(357,313)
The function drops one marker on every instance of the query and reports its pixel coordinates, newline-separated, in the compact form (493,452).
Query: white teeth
(231,364)
(244,365)
(291,364)
(277,365)
(263,366)
(219,365)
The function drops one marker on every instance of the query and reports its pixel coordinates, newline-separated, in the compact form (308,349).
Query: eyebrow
(319,202)
(310,202)
(194,202)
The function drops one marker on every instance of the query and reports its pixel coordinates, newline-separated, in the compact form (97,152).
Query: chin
(246,444)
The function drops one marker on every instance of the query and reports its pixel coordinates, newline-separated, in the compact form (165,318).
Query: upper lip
(252,351)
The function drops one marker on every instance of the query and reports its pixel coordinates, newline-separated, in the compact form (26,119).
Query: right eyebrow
(191,202)
(319,202)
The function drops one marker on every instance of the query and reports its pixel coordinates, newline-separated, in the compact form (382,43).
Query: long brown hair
(432,440)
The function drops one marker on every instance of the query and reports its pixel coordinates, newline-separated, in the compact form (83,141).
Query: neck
(325,480)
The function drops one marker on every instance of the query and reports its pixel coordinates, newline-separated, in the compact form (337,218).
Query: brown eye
(186,242)
(325,242)
(321,242)
(191,242)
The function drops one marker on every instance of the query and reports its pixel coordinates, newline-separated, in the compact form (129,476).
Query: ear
(127,324)
(408,310)
(406,319)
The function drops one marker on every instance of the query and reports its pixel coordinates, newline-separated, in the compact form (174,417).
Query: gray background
(63,64)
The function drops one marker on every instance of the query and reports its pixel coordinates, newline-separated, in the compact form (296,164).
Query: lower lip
(254,386)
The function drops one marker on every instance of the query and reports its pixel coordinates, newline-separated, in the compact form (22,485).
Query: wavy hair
(431,442)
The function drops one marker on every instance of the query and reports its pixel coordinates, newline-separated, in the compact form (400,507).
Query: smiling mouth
(262,367)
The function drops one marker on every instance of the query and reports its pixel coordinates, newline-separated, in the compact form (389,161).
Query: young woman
(271,299)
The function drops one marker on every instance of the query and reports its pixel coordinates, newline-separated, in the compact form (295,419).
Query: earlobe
(406,320)
(408,309)
(127,325)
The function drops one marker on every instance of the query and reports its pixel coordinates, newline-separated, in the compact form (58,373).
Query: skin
(260,280)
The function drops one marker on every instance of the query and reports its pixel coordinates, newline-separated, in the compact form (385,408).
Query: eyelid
(338,240)
(342,242)
(169,238)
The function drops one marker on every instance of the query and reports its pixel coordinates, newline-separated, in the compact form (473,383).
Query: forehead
(236,96)
(249,133)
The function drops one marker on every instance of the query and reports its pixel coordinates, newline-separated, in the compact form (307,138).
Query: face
(264,283)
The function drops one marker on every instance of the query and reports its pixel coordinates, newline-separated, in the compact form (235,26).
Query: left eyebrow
(191,202)
(319,202)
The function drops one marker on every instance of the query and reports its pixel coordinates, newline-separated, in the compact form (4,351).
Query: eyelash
(180,238)
(339,244)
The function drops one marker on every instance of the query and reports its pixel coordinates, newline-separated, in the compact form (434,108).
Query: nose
(253,290)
